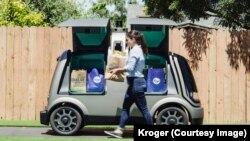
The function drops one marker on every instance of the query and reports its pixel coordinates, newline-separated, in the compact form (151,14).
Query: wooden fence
(220,61)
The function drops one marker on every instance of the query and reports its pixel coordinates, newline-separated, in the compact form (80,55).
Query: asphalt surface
(48,132)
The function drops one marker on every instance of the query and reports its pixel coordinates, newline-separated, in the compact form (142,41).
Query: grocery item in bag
(156,80)
(116,59)
(95,82)
(78,81)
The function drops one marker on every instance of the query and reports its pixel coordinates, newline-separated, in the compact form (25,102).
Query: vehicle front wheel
(65,120)
(172,116)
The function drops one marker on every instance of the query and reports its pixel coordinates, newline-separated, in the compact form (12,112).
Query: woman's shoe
(116,133)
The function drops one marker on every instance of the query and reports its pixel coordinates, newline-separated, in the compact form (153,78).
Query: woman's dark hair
(134,34)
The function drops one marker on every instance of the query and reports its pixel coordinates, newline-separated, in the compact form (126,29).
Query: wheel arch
(171,102)
(66,101)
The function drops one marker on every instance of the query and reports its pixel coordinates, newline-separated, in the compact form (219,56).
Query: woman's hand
(116,71)
(113,72)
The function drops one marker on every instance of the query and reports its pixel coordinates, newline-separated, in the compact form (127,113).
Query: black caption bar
(210,132)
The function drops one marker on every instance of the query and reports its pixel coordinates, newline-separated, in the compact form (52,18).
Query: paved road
(48,132)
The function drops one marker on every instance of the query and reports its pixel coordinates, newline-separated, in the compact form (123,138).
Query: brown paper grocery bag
(116,59)
(78,81)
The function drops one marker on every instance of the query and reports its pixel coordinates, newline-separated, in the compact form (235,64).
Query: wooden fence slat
(242,100)
(54,35)
(170,39)
(47,62)
(234,79)
(247,75)
(3,74)
(40,65)
(183,43)
(32,73)
(221,39)
(212,78)
(63,44)
(248,97)
(25,72)
(175,46)
(244,87)
(235,97)
(204,88)
(10,77)
(17,73)
(69,39)
(227,83)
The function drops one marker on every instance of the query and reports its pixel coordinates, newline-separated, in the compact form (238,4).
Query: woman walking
(135,63)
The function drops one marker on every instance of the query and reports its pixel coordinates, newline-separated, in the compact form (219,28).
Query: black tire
(65,120)
(172,116)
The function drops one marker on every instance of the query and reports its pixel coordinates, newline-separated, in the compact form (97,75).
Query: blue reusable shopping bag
(95,81)
(156,81)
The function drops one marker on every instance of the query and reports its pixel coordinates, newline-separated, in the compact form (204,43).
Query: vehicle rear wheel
(65,120)
(172,116)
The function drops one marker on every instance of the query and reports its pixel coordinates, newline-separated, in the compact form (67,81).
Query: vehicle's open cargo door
(89,35)
(91,40)
(156,35)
